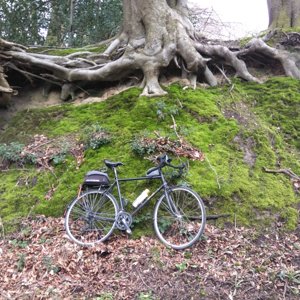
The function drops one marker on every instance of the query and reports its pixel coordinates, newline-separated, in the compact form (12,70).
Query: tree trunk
(71,29)
(56,30)
(284,13)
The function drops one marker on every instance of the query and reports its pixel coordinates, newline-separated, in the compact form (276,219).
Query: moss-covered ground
(240,131)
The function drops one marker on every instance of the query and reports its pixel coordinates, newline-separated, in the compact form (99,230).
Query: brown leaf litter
(40,262)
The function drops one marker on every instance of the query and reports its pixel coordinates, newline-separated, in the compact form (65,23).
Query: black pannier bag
(96,179)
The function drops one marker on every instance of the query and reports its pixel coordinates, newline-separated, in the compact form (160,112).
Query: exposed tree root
(154,34)
(287,60)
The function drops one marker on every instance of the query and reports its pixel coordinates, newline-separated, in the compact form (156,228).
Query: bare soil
(31,98)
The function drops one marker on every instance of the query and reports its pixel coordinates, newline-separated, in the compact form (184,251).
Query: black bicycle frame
(118,180)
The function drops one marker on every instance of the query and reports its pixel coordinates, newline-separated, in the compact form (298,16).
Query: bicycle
(179,214)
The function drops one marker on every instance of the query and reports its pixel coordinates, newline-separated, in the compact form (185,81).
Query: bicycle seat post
(118,187)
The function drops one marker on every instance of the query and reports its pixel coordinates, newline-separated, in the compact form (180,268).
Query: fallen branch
(175,130)
(287,172)
(215,217)
(214,170)
(294,177)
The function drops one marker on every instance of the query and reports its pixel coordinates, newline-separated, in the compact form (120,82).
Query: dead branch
(287,172)
(294,177)
(215,217)
(175,129)
(223,73)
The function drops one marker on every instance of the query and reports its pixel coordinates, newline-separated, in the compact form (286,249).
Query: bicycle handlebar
(164,160)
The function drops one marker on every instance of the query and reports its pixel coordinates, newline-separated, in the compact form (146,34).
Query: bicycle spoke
(91,218)
(180,220)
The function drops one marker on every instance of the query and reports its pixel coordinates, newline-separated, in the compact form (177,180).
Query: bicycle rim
(91,218)
(182,224)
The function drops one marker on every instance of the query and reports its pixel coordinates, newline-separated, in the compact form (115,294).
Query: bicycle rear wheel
(180,221)
(91,218)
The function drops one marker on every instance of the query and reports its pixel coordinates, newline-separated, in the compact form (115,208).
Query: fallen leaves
(230,263)
(179,148)
(44,150)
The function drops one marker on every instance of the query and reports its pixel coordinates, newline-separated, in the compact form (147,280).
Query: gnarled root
(287,60)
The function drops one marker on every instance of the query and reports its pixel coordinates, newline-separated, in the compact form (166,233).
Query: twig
(43,144)
(284,290)
(144,281)
(179,102)
(30,212)
(235,221)
(15,169)
(223,73)
(214,217)
(175,130)
(287,172)
(2,228)
(231,89)
(79,190)
(214,170)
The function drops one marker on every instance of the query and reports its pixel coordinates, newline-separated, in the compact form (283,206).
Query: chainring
(126,217)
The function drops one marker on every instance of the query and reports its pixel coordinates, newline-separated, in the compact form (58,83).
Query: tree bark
(284,14)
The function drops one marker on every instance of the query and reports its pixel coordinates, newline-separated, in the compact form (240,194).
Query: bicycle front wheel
(91,218)
(180,220)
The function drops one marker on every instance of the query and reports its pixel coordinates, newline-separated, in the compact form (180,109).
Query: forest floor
(39,262)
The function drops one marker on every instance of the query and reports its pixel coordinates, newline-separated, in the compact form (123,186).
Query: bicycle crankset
(124,221)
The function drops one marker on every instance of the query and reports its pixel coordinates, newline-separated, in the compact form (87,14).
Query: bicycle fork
(171,204)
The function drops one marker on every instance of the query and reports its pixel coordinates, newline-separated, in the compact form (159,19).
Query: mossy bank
(240,129)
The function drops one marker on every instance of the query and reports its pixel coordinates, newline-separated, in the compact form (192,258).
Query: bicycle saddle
(111,164)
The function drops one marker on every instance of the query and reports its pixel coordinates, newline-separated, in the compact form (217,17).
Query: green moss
(68,51)
(290,217)
(261,120)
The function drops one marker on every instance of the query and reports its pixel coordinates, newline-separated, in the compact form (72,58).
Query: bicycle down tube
(117,183)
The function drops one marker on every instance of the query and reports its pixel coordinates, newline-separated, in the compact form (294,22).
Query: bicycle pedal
(128,230)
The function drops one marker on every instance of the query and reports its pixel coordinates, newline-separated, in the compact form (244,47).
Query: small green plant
(156,257)
(13,153)
(48,263)
(290,276)
(187,255)
(182,266)
(19,243)
(105,296)
(143,146)
(145,295)
(60,157)
(163,110)
(21,262)
(142,219)
(95,136)
(26,231)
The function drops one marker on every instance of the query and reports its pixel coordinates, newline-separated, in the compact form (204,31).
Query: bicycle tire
(181,229)
(91,218)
